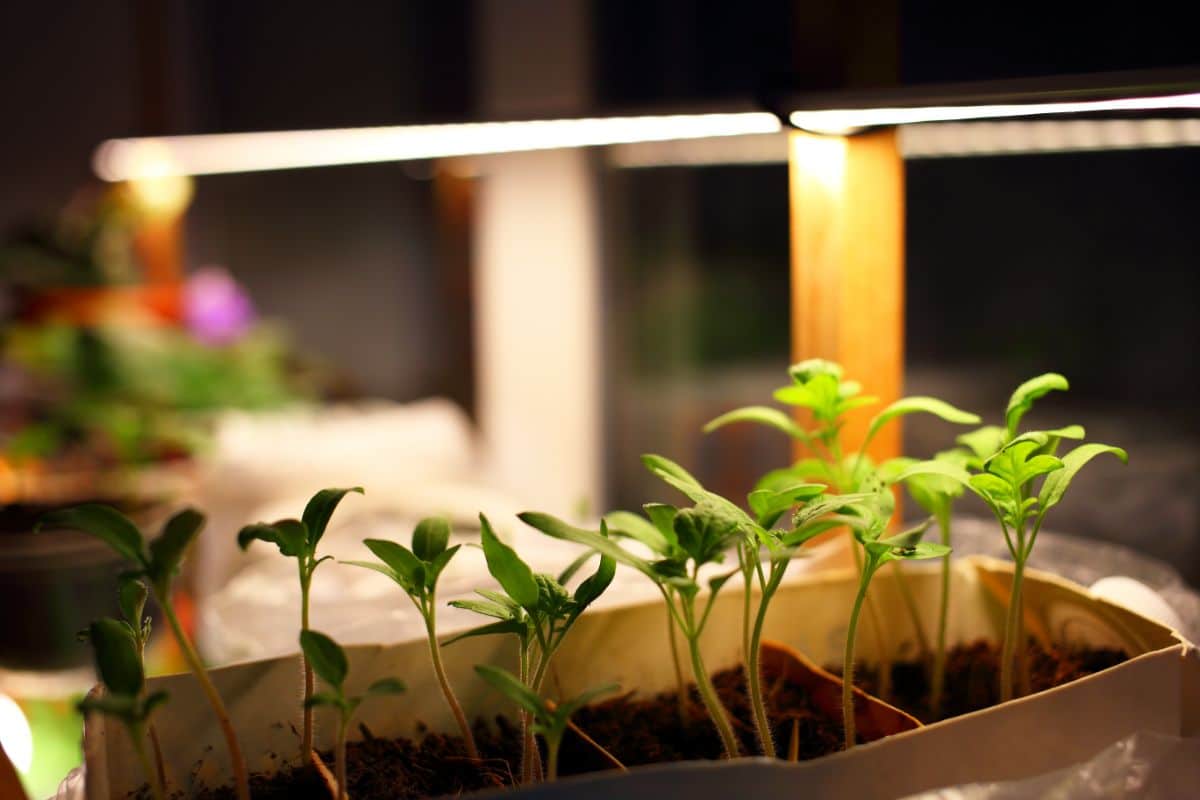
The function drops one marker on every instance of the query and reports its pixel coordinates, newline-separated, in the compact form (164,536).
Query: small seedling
(328,660)
(703,534)
(1005,467)
(416,571)
(537,610)
(549,719)
(298,539)
(937,495)
(868,520)
(119,664)
(158,563)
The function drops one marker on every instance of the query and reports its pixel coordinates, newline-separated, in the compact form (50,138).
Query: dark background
(1084,263)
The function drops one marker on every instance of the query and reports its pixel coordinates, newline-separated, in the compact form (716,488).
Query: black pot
(53,583)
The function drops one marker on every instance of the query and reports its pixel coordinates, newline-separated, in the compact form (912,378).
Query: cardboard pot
(1157,689)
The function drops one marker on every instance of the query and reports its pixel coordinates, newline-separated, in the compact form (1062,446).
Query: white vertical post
(536,262)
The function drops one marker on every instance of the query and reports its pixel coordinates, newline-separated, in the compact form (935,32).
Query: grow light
(146,158)
(839,113)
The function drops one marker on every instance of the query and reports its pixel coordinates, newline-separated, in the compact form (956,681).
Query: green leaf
(909,535)
(291,539)
(983,442)
(167,551)
(577,564)
(120,706)
(326,699)
(385,686)
(318,511)
(117,658)
(926,405)
(433,570)
(907,552)
(153,701)
(805,371)
(430,538)
(504,626)
(638,528)
(705,532)
(594,586)
(938,467)
(771,417)
(105,523)
(715,584)
(556,528)
(508,685)
(131,597)
(326,657)
(1022,399)
(513,574)
(769,505)
(401,561)
(485,607)
(663,517)
(1057,482)
(677,476)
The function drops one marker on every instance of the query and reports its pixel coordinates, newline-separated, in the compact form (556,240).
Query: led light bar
(148,158)
(1103,94)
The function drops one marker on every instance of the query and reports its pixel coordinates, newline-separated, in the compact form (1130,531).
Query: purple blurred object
(215,308)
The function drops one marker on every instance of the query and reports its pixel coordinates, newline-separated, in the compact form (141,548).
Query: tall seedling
(1005,470)
(416,571)
(298,539)
(537,610)
(329,661)
(119,665)
(159,563)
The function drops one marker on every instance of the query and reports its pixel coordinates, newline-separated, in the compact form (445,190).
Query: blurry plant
(818,387)
(134,394)
(549,719)
(537,610)
(936,494)
(117,646)
(158,563)
(416,571)
(298,539)
(687,541)
(328,659)
(868,520)
(1003,468)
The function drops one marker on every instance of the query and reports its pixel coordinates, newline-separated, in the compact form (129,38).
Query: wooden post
(847,229)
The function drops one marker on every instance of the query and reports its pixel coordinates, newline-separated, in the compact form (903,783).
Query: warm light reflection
(821,158)
(15,734)
(131,159)
(841,121)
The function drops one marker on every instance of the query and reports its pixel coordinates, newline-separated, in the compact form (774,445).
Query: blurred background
(513,331)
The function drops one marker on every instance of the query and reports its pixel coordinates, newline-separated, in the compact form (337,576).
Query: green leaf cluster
(329,661)
(118,655)
(158,562)
(298,538)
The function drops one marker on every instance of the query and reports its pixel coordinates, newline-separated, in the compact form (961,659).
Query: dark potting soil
(973,676)
(637,731)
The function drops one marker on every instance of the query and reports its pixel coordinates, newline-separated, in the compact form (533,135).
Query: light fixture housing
(1157,92)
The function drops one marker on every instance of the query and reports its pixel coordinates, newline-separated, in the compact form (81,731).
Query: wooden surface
(847,233)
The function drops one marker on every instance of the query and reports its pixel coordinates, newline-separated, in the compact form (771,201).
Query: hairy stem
(552,743)
(526,721)
(435,655)
(159,767)
(708,694)
(938,680)
(237,762)
(910,605)
(848,659)
(1012,627)
(762,724)
(157,789)
(306,743)
(680,683)
(339,759)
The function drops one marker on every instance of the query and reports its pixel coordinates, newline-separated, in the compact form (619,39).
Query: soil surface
(637,731)
(973,676)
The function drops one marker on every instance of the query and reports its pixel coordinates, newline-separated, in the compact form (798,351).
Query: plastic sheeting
(1147,766)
